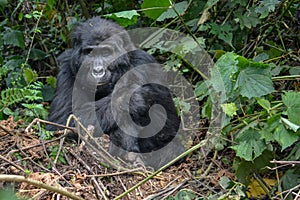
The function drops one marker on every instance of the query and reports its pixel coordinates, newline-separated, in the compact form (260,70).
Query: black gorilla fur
(91,34)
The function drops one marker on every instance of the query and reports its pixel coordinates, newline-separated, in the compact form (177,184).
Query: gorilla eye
(87,50)
(106,51)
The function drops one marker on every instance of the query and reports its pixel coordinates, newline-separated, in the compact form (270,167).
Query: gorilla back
(120,90)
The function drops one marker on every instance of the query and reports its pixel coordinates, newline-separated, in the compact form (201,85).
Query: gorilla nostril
(98,72)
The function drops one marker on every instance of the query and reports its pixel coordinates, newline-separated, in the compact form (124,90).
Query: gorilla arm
(61,106)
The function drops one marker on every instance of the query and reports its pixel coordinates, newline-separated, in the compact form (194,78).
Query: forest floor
(77,172)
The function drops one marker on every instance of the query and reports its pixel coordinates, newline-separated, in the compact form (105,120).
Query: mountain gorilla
(108,83)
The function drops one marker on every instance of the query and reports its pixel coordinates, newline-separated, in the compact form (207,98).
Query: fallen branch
(19,179)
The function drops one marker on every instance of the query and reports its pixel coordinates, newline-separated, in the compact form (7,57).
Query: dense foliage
(255,46)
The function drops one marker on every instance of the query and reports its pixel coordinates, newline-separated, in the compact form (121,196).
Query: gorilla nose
(98,72)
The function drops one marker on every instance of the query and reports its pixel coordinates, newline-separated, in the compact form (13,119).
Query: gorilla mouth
(102,83)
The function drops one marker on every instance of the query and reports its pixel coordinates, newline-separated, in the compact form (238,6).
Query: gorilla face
(104,60)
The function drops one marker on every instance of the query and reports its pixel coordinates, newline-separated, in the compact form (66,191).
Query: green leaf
(229,109)
(170,13)
(254,82)
(227,67)
(37,54)
(48,93)
(223,32)
(284,137)
(30,75)
(264,103)
(51,80)
(154,8)
(14,38)
(248,19)
(261,57)
(290,180)
(292,101)
(124,18)
(3,3)
(182,105)
(185,195)
(249,145)
(201,90)
(225,182)
(265,7)
(269,127)
(211,3)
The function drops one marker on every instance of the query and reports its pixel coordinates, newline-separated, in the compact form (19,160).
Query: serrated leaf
(154,8)
(249,19)
(269,127)
(285,137)
(265,7)
(170,13)
(254,82)
(227,67)
(229,109)
(223,32)
(249,145)
(14,38)
(124,18)
(292,101)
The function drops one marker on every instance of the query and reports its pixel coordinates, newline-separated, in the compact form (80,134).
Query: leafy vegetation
(255,46)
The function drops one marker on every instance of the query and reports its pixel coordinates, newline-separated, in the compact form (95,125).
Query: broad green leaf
(227,67)
(295,70)
(292,101)
(261,57)
(154,8)
(264,103)
(170,13)
(223,32)
(14,38)
(37,54)
(244,169)
(249,145)
(48,93)
(254,82)
(285,137)
(265,7)
(290,180)
(124,18)
(248,19)
(30,75)
(229,109)
(269,127)
(201,90)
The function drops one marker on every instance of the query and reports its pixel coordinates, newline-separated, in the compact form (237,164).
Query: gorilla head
(101,57)
(101,48)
